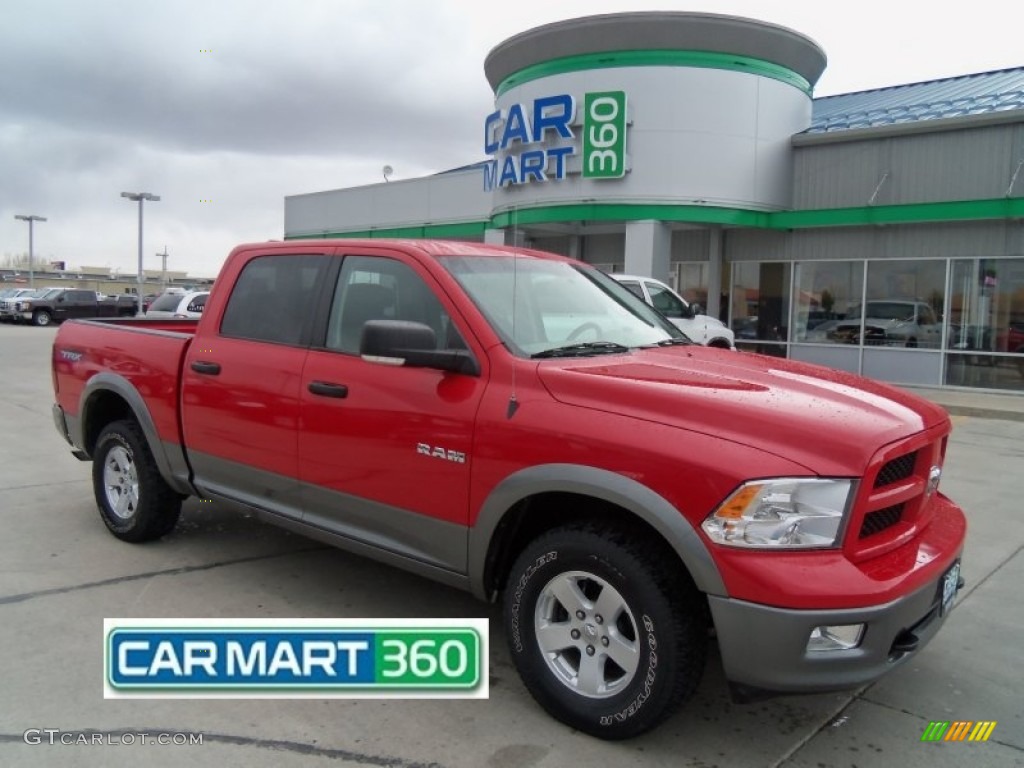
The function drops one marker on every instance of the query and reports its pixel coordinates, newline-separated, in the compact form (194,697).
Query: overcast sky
(223,107)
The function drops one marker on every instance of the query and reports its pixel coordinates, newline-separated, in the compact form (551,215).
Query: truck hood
(829,421)
(885,323)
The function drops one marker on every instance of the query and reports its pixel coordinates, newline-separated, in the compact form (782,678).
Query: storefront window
(905,305)
(759,306)
(986,324)
(692,281)
(826,292)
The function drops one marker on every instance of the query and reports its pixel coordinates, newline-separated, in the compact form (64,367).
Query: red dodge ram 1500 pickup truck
(520,425)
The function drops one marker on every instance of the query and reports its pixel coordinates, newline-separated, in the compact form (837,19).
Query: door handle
(327,389)
(201,366)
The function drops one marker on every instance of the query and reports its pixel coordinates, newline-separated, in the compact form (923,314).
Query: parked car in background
(689,318)
(9,298)
(66,303)
(891,323)
(189,304)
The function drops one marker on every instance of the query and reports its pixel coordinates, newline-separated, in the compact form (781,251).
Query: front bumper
(765,648)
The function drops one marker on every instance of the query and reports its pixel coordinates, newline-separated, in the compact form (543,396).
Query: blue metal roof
(976,94)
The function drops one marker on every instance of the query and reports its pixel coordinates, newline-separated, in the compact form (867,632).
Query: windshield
(901,311)
(167,302)
(557,305)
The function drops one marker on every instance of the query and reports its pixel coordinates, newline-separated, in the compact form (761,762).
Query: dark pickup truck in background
(68,303)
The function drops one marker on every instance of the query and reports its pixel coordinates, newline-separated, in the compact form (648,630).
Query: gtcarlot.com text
(55,736)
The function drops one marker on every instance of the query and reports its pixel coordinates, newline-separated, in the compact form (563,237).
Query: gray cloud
(109,95)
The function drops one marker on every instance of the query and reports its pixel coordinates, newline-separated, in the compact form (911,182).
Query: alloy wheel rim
(121,483)
(587,634)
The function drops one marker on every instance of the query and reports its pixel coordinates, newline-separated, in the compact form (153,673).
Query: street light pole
(30,220)
(140,197)
(163,269)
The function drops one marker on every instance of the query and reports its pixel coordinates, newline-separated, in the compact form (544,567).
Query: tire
(42,318)
(134,500)
(658,630)
(912,343)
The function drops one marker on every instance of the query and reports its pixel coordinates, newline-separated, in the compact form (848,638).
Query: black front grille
(898,469)
(880,519)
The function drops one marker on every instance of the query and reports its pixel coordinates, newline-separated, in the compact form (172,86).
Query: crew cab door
(242,381)
(385,451)
(74,304)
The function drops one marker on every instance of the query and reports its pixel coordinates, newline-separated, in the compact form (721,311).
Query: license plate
(949,588)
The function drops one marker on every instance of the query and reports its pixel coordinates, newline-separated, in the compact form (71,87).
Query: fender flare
(170,458)
(601,484)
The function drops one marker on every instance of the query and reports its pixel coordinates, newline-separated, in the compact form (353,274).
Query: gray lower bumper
(67,426)
(60,423)
(765,648)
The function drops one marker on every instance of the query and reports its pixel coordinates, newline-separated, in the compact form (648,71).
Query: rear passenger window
(273,298)
(197,304)
(372,288)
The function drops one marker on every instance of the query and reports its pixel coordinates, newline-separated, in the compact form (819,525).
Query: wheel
(605,637)
(41,317)
(134,500)
(582,329)
(912,343)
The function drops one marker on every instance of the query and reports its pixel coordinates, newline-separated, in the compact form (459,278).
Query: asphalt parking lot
(63,574)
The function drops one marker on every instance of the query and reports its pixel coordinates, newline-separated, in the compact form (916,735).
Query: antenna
(387,170)
(513,403)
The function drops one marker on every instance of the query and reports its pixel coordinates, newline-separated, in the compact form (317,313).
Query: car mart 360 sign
(536,140)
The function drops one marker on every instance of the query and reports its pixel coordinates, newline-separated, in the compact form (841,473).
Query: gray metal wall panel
(966,164)
(448,197)
(558,244)
(690,245)
(605,249)
(837,175)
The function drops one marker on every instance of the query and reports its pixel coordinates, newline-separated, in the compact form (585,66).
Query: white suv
(174,304)
(688,318)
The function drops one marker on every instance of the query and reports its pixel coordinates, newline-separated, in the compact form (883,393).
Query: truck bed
(113,347)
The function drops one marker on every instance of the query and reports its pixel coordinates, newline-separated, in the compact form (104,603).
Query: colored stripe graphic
(959,730)
(982,730)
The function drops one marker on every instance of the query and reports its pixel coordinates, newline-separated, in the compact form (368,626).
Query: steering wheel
(581,329)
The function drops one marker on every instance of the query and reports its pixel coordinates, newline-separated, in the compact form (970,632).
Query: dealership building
(880,232)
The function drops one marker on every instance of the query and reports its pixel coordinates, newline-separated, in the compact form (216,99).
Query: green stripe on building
(655,58)
(860,216)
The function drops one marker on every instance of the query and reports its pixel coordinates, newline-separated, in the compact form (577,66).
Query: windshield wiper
(686,342)
(582,350)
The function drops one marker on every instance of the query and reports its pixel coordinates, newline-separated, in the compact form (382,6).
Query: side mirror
(400,342)
(60,299)
(696,309)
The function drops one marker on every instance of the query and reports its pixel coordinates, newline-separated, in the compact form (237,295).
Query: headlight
(784,513)
(24,306)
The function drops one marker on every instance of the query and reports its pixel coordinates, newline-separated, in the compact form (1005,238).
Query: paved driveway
(63,573)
